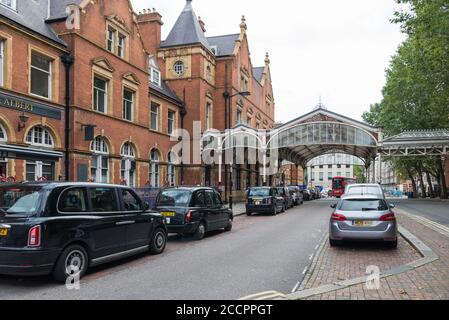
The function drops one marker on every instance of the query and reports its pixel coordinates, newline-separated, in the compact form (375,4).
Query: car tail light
(34,236)
(388,217)
(188,216)
(338,217)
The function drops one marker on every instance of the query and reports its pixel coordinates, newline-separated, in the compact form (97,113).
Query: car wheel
(200,232)
(334,243)
(229,227)
(392,244)
(158,241)
(249,214)
(72,262)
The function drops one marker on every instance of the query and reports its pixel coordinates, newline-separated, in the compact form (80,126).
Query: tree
(416,93)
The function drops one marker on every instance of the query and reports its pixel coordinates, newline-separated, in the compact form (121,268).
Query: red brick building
(32,82)
(133,111)
(202,69)
(115,118)
(113,89)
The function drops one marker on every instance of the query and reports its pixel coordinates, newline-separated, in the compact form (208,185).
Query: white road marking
(296,287)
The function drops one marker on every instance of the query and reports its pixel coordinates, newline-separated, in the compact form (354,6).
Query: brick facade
(18,102)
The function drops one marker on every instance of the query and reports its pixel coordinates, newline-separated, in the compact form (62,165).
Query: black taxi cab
(64,228)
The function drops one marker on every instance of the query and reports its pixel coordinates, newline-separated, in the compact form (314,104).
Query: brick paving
(429,282)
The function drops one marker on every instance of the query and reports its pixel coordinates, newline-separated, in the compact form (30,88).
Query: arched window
(128,167)
(3,136)
(155,159)
(39,136)
(171,169)
(99,170)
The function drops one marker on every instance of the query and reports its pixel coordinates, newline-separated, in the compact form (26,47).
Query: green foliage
(416,95)
(359,172)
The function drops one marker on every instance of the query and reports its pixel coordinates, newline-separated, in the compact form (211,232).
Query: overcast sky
(338,50)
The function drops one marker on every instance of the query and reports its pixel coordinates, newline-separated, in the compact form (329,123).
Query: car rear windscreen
(174,198)
(363,190)
(363,205)
(259,192)
(20,200)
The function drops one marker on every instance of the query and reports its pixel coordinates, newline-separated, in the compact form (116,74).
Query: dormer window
(155,73)
(9,3)
(155,77)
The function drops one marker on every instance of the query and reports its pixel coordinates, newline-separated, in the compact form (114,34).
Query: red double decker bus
(339,185)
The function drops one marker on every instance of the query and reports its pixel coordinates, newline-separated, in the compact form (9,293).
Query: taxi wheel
(158,241)
(229,227)
(72,262)
(200,232)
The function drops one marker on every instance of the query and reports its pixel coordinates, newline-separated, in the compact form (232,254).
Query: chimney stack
(150,24)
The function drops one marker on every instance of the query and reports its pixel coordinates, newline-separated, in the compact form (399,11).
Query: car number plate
(168,220)
(359,223)
(3,232)
(168,214)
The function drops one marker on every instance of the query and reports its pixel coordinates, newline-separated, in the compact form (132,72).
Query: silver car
(363,218)
(361,189)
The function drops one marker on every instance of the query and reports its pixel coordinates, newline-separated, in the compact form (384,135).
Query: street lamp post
(228,96)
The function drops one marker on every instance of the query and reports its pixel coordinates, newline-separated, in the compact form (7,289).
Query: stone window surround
(54,86)
(7,60)
(110,24)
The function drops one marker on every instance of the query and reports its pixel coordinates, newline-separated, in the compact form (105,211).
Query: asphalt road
(434,210)
(262,253)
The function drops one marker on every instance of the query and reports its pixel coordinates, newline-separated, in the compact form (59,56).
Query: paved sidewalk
(430,282)
(239,209)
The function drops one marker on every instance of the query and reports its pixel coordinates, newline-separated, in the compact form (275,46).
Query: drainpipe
(68,61)
(183,114)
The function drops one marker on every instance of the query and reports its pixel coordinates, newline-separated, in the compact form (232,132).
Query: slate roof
(58,7)
(166,91)
(258,73)
(225,44)
(33,15)
(187,30)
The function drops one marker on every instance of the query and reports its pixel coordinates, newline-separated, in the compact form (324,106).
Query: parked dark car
(306,195)
(64,228)
(288,199)
(296,194)
(264,200)
(317,193)
(194,211)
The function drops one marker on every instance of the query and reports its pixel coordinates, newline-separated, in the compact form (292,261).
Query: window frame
(106,94)
(12,6)
(125,103)
(99,156)
(155,169)
(176,68)
(86,199)
(45,133)
(2,62)
(158,107)
(3,133)
(49,73)
(171,122)
(121,45)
